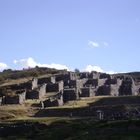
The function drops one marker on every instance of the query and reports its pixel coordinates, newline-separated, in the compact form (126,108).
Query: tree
(77,70)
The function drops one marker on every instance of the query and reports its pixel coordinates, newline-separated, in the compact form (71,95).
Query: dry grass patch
(12,111)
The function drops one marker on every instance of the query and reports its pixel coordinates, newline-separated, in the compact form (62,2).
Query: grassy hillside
(28,121)
(26,74)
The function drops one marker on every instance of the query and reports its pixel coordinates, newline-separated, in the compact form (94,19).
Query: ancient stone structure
(114,85)
(104,76)
(33,94)
(16,99)
(103,90)
(56,100)
(101,82)
(0,101)
(66,77)
(111,81)
(127,87)
(71,85)
(34,83)
(22,97)
(87,92)
(114,90)
(94,75)
(29,85)
(56,87)
(42,90)
(91,83)
(36,93)
(75,83)
(70,94)
(46,80)
(84,75)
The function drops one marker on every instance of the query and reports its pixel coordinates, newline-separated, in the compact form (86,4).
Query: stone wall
(114,90)
(17,98)
(101,82)
(26,85)
(46,80)
(84,75)
(0,101)
(87,92)
(104,76)
(111,81)
(126,87)
(13,99)
(55,87)
(73,86)
(54,101)
(91,83)
(33,94)
(34,83)
(103,90)
(42,90)
(22,97)
(94,75)
(70,94)
(66,77)
(50,103)
(75,83)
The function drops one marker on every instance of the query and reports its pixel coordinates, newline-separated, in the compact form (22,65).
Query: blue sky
(83,34)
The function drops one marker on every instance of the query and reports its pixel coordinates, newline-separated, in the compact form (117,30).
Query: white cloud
(30,62)
(3,66)
(93,44)
(111,72)
(90,68)
(106,44)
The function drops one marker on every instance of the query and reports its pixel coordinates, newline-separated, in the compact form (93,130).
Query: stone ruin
(32,94)
(91,83)
(34,83)
(56,100)
(127,87)
(70,94)
(37,93)
(1,99)
(56,87)
(87,92)
(17,98)
(46,80)
(66,77)
(72,86)
(103,90)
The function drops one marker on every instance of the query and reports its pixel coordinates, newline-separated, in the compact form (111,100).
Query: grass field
(27,126)
(31,107)
(75,129)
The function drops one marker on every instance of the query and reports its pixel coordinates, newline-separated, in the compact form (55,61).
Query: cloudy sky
(101,35)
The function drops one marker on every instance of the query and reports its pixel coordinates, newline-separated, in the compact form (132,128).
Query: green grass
(82,129)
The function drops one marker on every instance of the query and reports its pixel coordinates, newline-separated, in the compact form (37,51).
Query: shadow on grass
(108,105)
(83,129)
